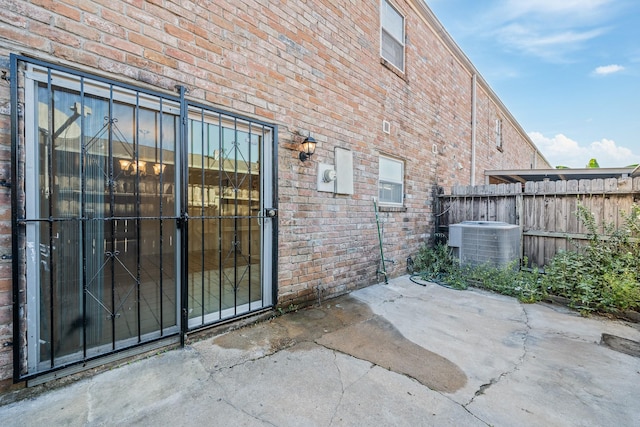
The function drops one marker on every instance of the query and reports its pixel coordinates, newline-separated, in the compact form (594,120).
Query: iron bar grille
(129,207)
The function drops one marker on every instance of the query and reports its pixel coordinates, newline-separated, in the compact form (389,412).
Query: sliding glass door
(100,218)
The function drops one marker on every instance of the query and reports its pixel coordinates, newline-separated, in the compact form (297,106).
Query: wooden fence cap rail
(623,185)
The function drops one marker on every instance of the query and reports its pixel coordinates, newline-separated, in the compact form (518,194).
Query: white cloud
(612,155)
(562,150)
(558,150)
(549,29)
(570,8)
(565,12)
(545,44)
(608,69)
(566,37)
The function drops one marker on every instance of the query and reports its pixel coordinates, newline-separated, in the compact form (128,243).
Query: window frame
(386,4)
(400,182)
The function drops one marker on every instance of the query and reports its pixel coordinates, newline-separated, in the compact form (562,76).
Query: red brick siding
(515,154)
(309,67)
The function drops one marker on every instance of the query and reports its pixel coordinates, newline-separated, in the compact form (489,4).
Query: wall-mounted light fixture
(307,148)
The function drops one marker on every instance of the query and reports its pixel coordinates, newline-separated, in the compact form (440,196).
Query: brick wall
(310,67)
(514,153)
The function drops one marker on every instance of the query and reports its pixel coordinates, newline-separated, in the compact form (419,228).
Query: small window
(392,35)
(499,134)
(390,181)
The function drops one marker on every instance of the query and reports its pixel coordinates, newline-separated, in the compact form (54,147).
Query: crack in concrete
(225,392)
(340,375)
(485,386)
(249,414)
(475,416)
(493,381)
(335,410)
(481,390)
(90,401)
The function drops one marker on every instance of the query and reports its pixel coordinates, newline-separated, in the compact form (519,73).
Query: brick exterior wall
(310,67)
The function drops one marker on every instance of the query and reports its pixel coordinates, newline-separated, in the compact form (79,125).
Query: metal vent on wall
(485,242)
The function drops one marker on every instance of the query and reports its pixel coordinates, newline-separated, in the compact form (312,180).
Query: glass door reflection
(224,208)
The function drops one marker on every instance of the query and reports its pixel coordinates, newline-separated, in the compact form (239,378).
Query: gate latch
(271,212)
(182,220)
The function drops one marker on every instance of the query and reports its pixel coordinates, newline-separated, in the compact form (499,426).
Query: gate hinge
(6,256)
(5,183)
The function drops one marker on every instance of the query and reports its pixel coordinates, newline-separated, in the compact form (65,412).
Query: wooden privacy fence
(545,211)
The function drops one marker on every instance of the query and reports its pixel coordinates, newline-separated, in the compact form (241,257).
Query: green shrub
(604,275)
(437,264)
(509,280)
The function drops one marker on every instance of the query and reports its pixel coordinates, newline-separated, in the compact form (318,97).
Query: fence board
(624,208)
(562,217)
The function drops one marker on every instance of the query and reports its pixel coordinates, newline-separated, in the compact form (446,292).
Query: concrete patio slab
(396,354)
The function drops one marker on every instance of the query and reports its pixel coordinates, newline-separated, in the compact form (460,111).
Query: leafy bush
(509,280)
(435,263)
(605,275)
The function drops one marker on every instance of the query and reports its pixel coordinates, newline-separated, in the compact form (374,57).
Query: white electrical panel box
(344,171)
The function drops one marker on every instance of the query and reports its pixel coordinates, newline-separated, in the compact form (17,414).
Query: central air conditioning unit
(485,242)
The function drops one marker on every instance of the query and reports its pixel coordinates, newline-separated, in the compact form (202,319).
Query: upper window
(499,134)
(392,35)
(391,181)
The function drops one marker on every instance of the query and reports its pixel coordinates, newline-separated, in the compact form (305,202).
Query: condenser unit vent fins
(485,242)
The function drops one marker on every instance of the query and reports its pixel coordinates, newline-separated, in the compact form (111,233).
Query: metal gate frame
(264,216)
(18,224)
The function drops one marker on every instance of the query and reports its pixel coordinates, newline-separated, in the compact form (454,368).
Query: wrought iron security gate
(227,161)
(141,217)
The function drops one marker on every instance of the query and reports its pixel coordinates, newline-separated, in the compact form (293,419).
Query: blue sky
(568,70)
